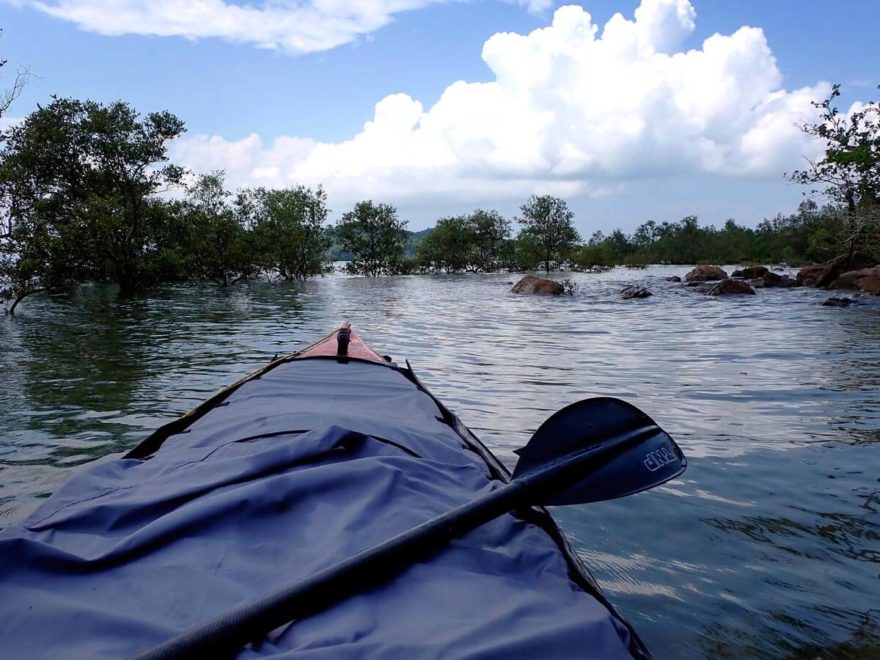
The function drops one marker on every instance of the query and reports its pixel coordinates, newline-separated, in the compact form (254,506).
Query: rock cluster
(770,279)
(751,273)
(864,279)
(839,302)
(538,285)
(731,287)
(635,291)
(705,274)
(824,275)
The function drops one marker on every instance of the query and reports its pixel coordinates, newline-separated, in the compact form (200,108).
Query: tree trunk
(21,297)
(851,224)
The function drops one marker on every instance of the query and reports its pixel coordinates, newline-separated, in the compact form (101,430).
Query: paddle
(593,450)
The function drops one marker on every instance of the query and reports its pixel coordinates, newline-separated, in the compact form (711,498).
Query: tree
(449,247)
(288,226)
(218,247)
(475,242)
(40,247)
(375,237)
(596,253)
(8,96)
(547,221)
(84,175)
(491,235)
(850,169)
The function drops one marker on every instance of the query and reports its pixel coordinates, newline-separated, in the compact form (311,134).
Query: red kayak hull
(329,346)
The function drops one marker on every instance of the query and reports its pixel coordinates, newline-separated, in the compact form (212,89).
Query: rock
(635,292)
(705,273)
(701,287)
(866,279)
(778,281)
(839,302)
(751,273)
(674,278)
(822,275)
(728,287)
(532,284)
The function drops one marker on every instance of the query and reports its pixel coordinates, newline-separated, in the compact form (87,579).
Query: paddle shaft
(224,636)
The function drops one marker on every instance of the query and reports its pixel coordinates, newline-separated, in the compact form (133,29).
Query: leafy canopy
(375,237)
(547,221)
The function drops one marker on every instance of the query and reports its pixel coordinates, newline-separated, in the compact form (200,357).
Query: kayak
(298,466)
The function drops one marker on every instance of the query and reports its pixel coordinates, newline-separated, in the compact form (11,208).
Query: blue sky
(276,99)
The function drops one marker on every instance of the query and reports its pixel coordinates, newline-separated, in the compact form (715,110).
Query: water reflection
(767,547)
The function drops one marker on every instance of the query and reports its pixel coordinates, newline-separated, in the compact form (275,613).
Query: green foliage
(288,227)
(524,253)
(547,221)
(81,199)
(77,180)
(491,233)
(448,247)
(849,172)
(474,242)
(218,247)
(805,236)
(375,237)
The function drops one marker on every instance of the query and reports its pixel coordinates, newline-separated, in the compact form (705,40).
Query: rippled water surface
(769,546)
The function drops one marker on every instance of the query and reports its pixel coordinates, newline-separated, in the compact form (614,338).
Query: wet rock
(751,273)
(538,285)
(705,273)
(840,302)
(778,281)
(822,275)
(635,292)
(865,279)
(731,287)
(674,278)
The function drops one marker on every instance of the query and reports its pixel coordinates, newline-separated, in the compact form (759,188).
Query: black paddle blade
(621,449)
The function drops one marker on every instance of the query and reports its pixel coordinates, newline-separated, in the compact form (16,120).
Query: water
(769,546)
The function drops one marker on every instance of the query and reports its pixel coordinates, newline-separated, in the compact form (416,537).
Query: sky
(629,110)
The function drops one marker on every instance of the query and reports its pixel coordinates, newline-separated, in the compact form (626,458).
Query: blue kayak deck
(293,471)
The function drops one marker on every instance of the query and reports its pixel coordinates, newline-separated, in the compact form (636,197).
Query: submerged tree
(218,247)
(288,227)
(491,233)
(375,237)
(476,242)
(547,221)
(78,185)
(449,246)
(849,172)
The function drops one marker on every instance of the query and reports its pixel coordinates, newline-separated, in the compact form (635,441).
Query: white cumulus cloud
(573,110)
(293,26)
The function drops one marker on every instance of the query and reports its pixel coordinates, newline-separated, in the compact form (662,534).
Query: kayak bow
(311,460)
